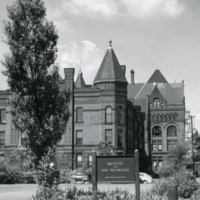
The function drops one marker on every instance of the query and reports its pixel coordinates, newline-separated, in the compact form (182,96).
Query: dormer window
(156,102)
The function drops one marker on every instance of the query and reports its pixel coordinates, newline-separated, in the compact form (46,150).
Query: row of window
(14,137)
(164,117)
(108,114)
(157,103)
(2,116)
(158,146)
(171,131)
(79,160)
(157,162)
(2,138)
(108,137)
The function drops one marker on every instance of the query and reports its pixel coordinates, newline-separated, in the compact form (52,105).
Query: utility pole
(192,138)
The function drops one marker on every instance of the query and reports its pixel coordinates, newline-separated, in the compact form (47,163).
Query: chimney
(123,69)
(132,77)
(69,79)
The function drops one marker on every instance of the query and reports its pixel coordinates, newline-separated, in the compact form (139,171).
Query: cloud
(133,8)
(59,19)
(85,56)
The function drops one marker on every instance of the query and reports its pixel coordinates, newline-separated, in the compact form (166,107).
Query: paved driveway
(25,191)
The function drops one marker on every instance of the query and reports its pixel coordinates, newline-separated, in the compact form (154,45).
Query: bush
(10,175)
(29,177)
(65,175)
(187,184)
(75,194)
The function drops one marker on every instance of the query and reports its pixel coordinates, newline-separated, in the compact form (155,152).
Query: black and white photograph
(99,99)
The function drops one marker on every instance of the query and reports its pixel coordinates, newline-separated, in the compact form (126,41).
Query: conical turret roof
(110,69)
(80,83)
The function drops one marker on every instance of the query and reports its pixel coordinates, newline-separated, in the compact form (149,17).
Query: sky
(146,35)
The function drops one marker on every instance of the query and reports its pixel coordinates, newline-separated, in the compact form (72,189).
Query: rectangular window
(160,162)
(90,161)
(171,144)
(79,159)
(159,145)
(79,137)
(14,135)
(108,135)
(79,115)
(2,138)
(155,162)
(3,116)
(119,139)
(154,146)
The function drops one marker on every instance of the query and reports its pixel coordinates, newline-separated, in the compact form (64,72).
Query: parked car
(81,177)
(146,178)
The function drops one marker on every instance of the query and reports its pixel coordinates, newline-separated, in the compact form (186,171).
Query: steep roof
(157,77)
(172,93)
(80,83)
(110,69)
(156,93)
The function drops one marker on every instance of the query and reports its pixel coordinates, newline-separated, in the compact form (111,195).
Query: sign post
(137,176)
(94,175)
(115,169)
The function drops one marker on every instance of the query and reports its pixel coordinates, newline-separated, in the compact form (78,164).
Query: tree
(176,160)
(39,109)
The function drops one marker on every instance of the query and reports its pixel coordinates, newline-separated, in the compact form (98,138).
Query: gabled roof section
(80,83)
(110,69)
(156,93)
(157,77)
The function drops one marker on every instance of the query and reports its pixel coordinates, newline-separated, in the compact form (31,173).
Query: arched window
(155,117)
(171,117)
(167,117)
(156,102)
(79,114)
(157,131)
(159,118)
(163,117)
(108,114)
(171,131)
(175,116)
(119,115)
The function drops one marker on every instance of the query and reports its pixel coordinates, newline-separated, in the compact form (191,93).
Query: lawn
(25,191)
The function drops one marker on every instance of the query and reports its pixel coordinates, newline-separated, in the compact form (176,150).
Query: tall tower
(110,81)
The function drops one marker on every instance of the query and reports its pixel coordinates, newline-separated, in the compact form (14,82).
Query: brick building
(146,116)
(102,112)
(166,112)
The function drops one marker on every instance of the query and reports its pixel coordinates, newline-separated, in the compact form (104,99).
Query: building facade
(166,111)
(100,112)
(147,116)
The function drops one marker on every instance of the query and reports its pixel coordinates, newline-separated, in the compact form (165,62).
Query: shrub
(65,175)
(187,184)
(10,175)
(75,194)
